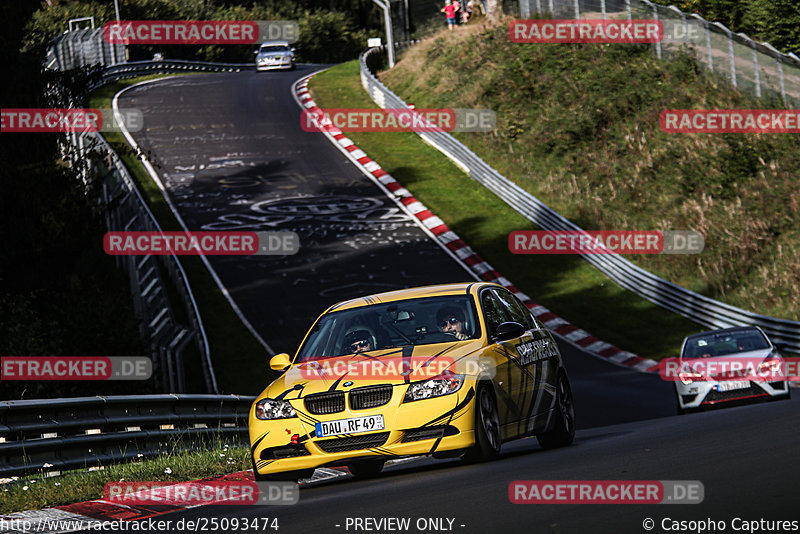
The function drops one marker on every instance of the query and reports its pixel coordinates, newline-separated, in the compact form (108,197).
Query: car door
(511,379)
(538,358)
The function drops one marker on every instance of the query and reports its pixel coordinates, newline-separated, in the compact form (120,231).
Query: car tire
(563,432)
(366,468)
(487,426)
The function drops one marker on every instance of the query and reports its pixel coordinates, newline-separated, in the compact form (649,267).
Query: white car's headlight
(274,409)
(434,387)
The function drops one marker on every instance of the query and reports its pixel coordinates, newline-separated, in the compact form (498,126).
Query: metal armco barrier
(703,310)
(57,434)
(165,338)
(143,68)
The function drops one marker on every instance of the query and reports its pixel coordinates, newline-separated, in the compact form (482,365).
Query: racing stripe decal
(296,387)
(408,350)
(460,406)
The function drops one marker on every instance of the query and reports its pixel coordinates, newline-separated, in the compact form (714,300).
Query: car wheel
(487,426)
(563,432)
(366,468)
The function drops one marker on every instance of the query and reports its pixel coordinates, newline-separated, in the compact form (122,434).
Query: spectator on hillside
(449,11)
(466,13)
(476,6)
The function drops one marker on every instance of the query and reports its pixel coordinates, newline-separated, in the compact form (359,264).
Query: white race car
(275,55)
(734,364)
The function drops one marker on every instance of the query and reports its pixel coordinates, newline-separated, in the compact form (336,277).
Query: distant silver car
(733,364)
(275,55)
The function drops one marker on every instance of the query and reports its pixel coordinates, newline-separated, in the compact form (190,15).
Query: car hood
(752,357)
(262,55)
(379,367)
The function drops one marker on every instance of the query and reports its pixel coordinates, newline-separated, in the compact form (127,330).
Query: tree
(494,9)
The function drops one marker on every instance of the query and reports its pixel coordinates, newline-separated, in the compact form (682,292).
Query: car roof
(275,43)
(725,330)
(464,288)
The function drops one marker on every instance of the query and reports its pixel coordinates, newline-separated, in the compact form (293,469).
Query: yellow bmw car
(447,370)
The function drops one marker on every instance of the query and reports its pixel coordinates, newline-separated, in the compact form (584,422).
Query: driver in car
(451,321)
(358,341)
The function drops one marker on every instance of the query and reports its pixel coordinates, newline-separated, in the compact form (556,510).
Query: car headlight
(689,377)
(771,366)
(274,409)
(433,387)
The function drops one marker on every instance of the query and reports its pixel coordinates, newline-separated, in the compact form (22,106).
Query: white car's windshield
(271,49)
(395,324)
(722,343)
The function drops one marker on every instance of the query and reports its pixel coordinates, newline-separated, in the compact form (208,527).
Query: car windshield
(422,321)
(723,343)
(273,48)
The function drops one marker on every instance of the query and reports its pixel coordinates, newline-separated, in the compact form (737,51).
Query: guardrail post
(780,79)
(657,44)
(756,74)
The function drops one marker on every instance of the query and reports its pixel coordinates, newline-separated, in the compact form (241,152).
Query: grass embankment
(578,126)
(35,492)
(239,360)
(565,284)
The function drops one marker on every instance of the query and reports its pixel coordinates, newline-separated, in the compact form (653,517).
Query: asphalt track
(233,156)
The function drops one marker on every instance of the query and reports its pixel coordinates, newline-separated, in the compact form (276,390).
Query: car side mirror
(294,50)
(255,53)
(780,347)
(508,330)
(280,362)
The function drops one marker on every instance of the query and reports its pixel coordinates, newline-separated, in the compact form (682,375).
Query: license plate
(733,384)
(355,425)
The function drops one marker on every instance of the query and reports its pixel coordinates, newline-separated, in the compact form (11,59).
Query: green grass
(239,360)
(567,285)
(578,126)
(35,492)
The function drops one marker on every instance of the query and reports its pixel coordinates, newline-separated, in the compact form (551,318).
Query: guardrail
(143,68)
(698,308)
(126,210)
(52,435)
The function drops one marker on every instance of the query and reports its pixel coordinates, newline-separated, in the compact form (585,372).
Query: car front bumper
(410,429)
(698,394)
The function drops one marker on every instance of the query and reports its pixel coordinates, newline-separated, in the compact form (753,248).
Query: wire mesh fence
(750,66)
(81,48)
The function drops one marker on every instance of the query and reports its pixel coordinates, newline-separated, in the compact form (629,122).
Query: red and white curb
(90,515)
(479,268)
